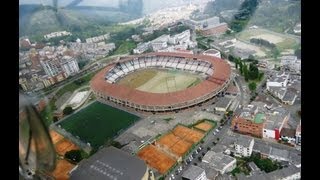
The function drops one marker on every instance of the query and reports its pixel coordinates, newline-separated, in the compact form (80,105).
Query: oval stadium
(162,81)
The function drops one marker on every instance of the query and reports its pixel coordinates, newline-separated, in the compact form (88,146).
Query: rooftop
(217,160)
(223,102)
(290,95)
(192,172)
(284,172)
(244,141)
(259,118)
(109,163)
(253,166)
(288,132)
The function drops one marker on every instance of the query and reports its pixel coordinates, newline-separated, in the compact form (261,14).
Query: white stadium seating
(126,67)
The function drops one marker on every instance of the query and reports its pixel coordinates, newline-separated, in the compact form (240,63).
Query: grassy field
(139,78)
(281,41)
(125,47)
(97,123)
(160,81)
(169,81)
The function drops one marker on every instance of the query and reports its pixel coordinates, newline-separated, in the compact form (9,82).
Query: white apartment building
(243,146)
(278,80)
(51,67)
(69,65)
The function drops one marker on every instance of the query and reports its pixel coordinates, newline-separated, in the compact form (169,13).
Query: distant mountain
(35,19)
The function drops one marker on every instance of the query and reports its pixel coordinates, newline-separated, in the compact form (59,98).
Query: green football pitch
(97,123)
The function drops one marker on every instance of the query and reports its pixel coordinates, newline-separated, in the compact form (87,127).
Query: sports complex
(162,81)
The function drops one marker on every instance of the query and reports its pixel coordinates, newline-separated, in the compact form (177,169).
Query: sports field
(64,146)
(175,144)
(62,169)
(97,123)
(205,126)
(160,81)
(156,158)
(187,134)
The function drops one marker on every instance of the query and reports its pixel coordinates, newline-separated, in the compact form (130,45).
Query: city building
(141,47)
(288,135)
(160,42)
(288,173)
(243,146)
(212,52)
(110,163)
(215,29)
(280,79)
(194,173)
(223,104)
(69,65)
(57,34)
(246,126)
(97,39)
(274,122)
(219,161)
(51,67)
(181,38)
(291,63)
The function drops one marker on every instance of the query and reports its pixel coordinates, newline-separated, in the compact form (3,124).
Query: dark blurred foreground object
(36,152)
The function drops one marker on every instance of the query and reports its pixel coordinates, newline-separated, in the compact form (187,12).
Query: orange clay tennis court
(62,169)
(175,144)
(156,158)
(64,146)
(56,137)
(188,134)
(205,126)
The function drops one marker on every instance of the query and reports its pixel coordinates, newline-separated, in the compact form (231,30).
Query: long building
(216,70)
(110,164)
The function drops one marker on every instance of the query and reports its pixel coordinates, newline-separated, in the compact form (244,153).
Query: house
(219,161)
(243,146)
(194,173)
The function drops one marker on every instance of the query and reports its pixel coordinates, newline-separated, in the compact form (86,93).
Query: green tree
(236,62)
(240,67)
(253,72)
(245,72)
(260,76)
(67,110)
(252,86)
(275,52)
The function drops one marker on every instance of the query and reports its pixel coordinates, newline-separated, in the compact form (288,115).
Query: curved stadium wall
(216,70)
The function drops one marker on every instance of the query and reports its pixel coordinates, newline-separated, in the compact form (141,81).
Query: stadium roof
(222,71)
(109,163)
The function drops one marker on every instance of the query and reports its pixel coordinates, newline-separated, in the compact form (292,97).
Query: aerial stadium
(162,81)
